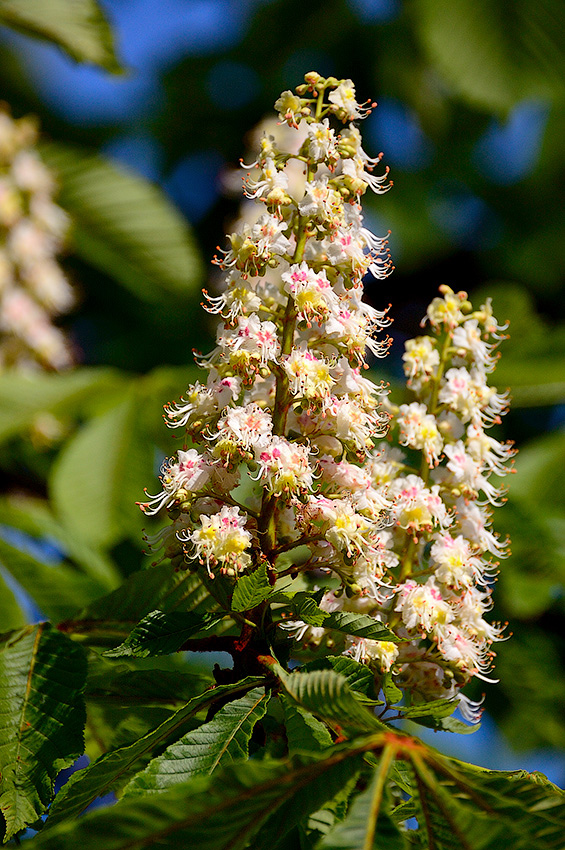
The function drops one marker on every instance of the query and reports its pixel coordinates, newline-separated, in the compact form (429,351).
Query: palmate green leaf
(359,625)
(124,225)
(533,807)
(223,811)
(461,807)
(251,590)
(304,732)
(42,719)
(326,694)
(79,27)
(100,473)
(368,825)
(114,769)
(58,590)
(162,634)
(110,619)
(223,740)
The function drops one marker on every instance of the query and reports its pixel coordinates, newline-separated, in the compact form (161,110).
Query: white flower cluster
(288,419)
(33,288)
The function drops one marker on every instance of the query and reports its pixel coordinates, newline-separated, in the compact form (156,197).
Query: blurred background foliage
(143,138)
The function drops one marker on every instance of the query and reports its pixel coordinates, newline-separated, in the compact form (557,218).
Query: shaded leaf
(217,812)
(113,770)
(125,687)
(368,825)
(303,732)
(79,27)
(161,634)
(223,740)
(41,719)
(111,618)
(124,225)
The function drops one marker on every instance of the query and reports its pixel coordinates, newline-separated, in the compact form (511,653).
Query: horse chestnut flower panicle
(288,418)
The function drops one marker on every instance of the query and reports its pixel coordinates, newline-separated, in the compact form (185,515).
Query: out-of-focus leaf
(114,769)
(34,517)
(100,473)
(79,27)
(58,590)
(391,692)
(124,225)
(494,54)
(436,709)
(11,615)
(251,590)
(24,396)
(41,719)
(223,740)
(161,634)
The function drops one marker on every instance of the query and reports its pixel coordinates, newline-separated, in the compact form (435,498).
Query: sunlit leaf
(41,719)
(79,27)
(223,740)
(251,590)
(113,770)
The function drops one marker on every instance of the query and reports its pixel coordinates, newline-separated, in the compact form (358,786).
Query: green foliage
(495,54)
(41,719)
(251,590)
(358,625)
(124,225)
(161,634)
(223,740)
(327,694)
(79,27)
(325,772)
(99,474)
(113,770)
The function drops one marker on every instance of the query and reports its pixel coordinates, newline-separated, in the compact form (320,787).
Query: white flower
(222,539)
(284,467)
(423,607)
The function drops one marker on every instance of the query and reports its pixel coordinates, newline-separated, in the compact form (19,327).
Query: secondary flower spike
(287,433)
